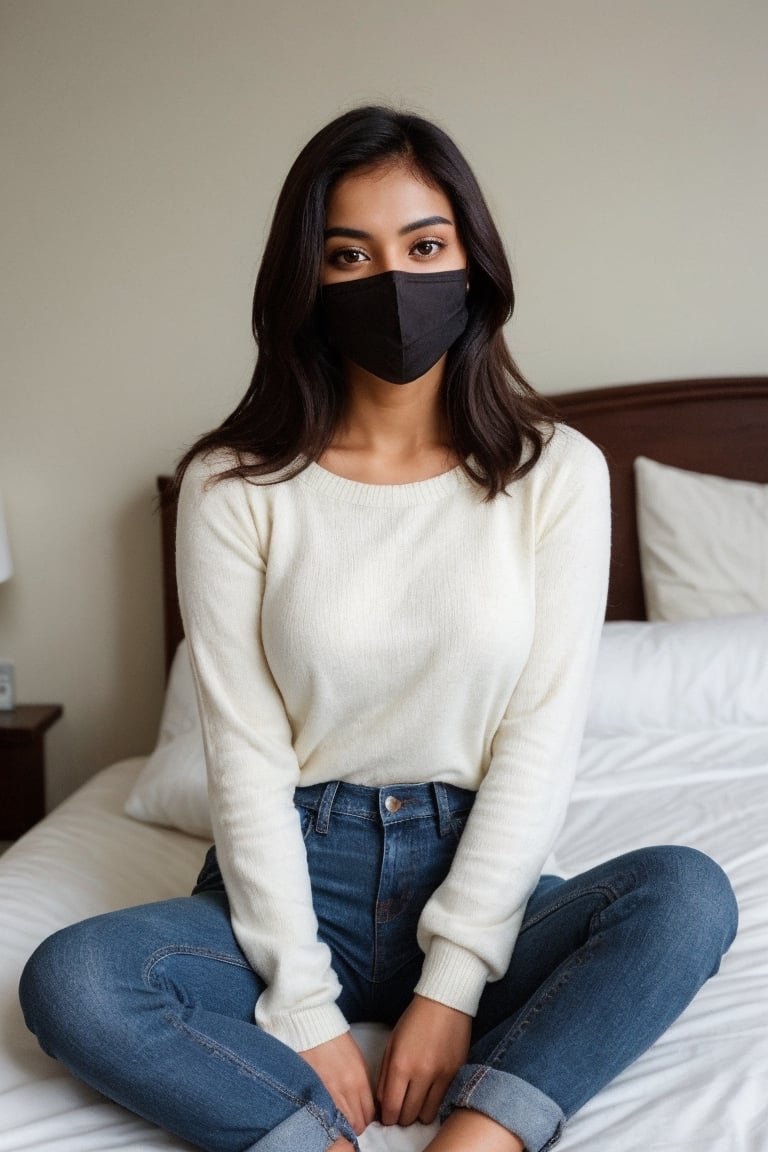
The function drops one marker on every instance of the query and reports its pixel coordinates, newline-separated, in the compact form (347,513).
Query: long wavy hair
(287,418)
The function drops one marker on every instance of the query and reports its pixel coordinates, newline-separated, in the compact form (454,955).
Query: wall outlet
(7,687)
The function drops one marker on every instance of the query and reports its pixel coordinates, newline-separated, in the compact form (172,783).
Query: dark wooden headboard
(718,426)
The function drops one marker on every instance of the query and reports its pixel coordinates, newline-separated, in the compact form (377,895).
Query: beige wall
(622,144)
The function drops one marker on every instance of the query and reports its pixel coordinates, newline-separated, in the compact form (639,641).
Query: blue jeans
(153,1006)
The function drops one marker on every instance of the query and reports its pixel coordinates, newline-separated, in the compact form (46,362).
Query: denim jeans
(153,1006)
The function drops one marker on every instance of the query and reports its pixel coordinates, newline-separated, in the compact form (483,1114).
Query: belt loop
(326,804)
(443,808)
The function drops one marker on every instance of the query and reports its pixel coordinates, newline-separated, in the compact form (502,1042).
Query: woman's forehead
(384,195)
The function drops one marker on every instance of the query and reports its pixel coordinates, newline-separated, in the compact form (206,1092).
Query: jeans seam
(407,818)
(230,1057)
(554,1139)
(182,950)
(603,889)
(545,994)
(374,974)
(370,819)
(376,980)
(475,1079)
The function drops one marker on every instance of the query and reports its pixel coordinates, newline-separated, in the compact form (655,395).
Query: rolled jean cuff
(306,1130)
(514,1103)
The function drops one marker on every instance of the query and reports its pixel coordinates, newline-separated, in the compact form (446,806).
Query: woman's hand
(429,1044)
(340,1065)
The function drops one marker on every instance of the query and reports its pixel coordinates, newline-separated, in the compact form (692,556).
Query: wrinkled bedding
(703,1085)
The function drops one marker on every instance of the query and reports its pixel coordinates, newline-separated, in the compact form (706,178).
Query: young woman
(392,569)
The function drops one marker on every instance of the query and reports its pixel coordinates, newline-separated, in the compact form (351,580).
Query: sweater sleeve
(252,767)
(469,926)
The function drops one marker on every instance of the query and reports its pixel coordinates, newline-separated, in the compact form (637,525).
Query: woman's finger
(432,1101)
(392,1090)
(412,1103)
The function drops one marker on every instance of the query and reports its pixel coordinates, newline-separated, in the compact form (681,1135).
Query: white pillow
(703,543)
(682,676)
(180,707)
(171,788)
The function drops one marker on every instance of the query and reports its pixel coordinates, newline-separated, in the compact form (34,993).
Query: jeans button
(392,804)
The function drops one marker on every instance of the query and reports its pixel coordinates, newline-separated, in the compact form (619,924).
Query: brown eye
(427,248)
(348,256)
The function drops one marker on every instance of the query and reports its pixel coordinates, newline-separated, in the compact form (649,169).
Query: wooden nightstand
(22,766)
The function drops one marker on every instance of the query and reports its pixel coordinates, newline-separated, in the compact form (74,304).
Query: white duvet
(676,751)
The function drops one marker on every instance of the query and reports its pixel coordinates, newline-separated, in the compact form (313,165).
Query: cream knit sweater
(381,635)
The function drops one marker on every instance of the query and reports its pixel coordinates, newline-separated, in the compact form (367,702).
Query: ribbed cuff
(452,976)
(305,1028)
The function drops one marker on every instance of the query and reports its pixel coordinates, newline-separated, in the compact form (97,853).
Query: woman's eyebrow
(358,234)
(348,233)
(425,223)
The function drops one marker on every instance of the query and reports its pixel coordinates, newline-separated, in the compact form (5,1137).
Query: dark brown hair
(288,416)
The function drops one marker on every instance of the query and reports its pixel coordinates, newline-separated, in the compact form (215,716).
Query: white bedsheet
(704,1085)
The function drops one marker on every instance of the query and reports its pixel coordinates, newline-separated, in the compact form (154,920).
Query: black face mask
(398,324)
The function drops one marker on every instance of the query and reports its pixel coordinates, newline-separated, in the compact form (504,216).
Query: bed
(676,750)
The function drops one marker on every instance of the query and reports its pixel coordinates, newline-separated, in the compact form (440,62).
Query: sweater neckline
(385,495)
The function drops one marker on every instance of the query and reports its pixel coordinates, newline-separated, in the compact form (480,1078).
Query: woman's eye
(427,248)
(348,256)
